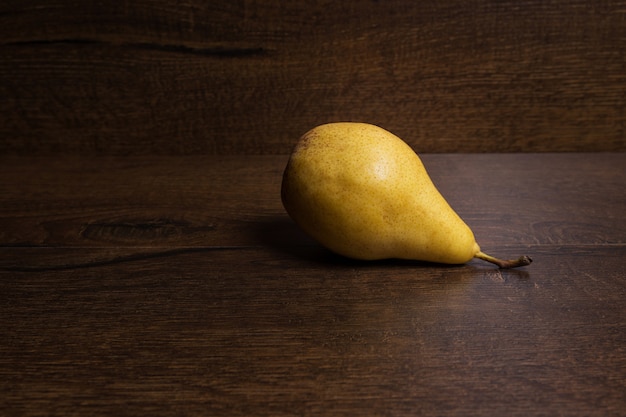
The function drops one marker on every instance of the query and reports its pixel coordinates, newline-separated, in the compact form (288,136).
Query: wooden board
(178,286)
(265,332)
(250,77)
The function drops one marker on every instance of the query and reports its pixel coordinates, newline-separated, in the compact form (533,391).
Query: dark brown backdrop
(201,77)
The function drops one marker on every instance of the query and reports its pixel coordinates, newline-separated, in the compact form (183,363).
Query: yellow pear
(364,193)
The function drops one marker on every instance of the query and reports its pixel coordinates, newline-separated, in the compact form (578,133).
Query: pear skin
(363,193)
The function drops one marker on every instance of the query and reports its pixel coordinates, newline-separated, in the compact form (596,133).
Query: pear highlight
(363,193)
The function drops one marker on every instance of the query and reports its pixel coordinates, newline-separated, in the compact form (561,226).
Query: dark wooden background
(153,77)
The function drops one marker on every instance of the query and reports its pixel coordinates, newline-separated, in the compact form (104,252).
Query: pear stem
(511,263)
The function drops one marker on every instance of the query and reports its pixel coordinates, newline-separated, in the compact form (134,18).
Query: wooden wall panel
(232,77)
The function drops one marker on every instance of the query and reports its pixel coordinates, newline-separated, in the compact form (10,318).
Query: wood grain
(262,332)
(218,201)
(178,286)
(150,78)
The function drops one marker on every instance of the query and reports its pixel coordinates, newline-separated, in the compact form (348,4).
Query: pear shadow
(281,234)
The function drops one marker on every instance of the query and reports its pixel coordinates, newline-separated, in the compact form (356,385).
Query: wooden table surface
(178,286)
